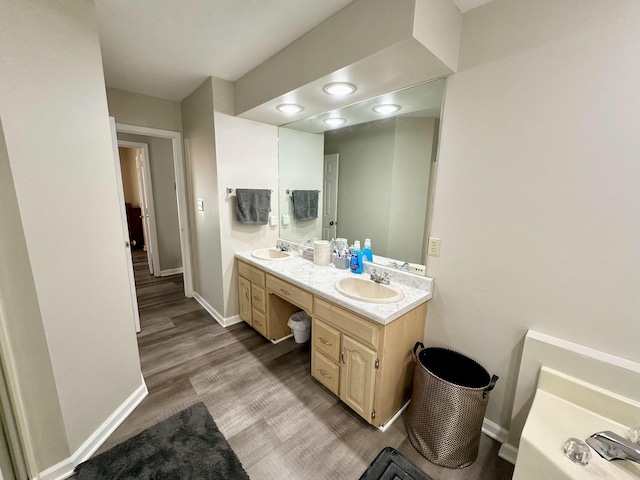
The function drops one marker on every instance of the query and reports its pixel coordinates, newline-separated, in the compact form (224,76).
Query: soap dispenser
(367,253)
(356,258)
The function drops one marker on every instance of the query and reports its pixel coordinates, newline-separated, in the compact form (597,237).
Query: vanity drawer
(293,294)
(347,322)
(326,339)
(259,322)
(252,273)
(326,372)
(258,298)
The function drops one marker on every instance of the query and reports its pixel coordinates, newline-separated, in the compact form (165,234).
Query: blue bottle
(356,258)
(366,251)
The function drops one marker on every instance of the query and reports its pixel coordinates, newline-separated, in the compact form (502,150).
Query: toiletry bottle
(356,258)
(366,251)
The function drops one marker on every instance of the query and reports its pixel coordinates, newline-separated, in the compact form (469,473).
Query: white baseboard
(64,469)
(224,322)
(383,428)
(508,452)
(172,271)
(494,430)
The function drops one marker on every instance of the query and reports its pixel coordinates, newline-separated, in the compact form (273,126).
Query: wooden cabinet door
(244,298)
(357,377)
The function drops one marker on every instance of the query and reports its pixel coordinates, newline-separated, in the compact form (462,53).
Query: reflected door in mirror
(330,197)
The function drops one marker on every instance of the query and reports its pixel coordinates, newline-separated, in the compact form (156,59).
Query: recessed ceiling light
(334,122)
(339,89)
(289,108)
(386,108)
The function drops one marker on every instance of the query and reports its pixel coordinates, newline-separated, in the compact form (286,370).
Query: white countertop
(321,280)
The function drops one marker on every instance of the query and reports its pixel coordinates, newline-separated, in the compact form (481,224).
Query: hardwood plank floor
(281,423)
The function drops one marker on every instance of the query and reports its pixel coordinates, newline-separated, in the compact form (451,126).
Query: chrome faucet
(283,247)
(376,277)
(610,446)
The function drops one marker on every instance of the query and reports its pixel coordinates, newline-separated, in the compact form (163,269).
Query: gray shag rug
(187,445)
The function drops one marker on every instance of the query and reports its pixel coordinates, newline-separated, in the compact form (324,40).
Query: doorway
(138,196)
(178,196)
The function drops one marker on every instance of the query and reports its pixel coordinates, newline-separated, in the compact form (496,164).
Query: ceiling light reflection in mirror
(425,99)
(289,108)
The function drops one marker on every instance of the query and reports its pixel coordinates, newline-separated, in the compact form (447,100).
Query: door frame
(149,212)
(181,193)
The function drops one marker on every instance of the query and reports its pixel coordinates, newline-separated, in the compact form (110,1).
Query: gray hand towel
(253,206)
(305,204)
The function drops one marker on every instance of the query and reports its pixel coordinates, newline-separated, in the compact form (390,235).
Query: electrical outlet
(417,268)
(434,247)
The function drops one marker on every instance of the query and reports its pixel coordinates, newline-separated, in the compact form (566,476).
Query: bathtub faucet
(610,446)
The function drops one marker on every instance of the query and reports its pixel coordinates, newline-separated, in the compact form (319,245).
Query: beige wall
(165,202)
(301,167)
(366,165)
(129,176)
(383,183)
(243,164)
(409,187)
(23,344)
(144,111)
(50,60)
(199,135)
(538,180)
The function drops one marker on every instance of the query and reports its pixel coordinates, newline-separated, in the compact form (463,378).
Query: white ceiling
(167,48)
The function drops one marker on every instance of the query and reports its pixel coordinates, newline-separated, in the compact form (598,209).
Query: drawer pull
(256,298)
(328,344)
(325,375)
(257,322)
(284,292)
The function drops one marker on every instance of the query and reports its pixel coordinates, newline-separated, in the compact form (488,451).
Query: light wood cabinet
(367,364)
(266,302)
(374,361)
(357,377)
(244,298)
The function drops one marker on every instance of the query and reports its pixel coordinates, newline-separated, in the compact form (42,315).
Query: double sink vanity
(362,332)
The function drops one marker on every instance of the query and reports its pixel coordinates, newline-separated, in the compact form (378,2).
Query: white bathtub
(565,407)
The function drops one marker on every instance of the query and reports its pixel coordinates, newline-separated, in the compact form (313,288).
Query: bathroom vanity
(360,351)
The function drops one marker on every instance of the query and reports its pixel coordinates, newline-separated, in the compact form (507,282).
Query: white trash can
(300,324)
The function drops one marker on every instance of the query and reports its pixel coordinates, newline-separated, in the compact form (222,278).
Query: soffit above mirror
(377,45)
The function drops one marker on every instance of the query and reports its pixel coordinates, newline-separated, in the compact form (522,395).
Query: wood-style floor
(281,423)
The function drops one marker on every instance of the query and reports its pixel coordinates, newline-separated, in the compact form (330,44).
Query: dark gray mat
(187,445)
(391,465)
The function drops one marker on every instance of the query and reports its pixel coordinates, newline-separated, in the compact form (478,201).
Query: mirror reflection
(373,177)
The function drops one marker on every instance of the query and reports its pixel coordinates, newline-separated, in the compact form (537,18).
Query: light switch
(273,220)
(200,205)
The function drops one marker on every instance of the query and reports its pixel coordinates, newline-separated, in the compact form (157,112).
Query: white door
(143,177)
(126,242)
(330,197)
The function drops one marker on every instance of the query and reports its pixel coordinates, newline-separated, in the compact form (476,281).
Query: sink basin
(368,291)
(271,254)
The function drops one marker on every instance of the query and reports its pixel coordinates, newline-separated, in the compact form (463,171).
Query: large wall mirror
(373,173)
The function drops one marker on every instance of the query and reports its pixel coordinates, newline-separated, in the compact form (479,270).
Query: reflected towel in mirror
(253,206)
(305,204)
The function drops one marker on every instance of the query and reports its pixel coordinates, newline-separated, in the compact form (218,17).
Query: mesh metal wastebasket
(448,403)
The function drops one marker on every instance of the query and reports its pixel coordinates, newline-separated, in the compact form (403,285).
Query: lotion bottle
(367,253)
